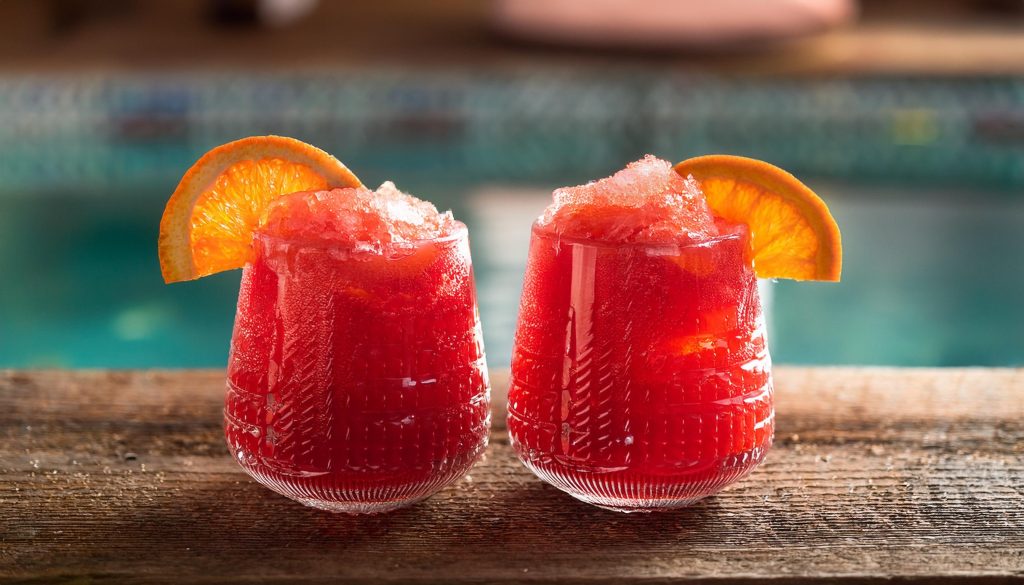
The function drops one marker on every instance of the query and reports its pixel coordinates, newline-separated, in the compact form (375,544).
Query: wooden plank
(876,474)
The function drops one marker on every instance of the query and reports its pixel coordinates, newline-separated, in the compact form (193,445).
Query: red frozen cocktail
(356,378)
(640,374)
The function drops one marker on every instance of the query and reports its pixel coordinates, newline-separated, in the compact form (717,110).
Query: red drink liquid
(357,380)
(640,373)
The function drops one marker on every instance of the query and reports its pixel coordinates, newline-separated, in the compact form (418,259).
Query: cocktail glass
(640,373)
(357,381)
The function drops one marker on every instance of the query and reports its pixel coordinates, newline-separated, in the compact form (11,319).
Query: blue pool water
(925,177)
(929,279)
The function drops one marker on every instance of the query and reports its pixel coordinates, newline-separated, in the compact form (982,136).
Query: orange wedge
(792,232)
(208,223)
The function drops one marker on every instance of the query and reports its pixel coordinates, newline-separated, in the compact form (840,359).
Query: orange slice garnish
(793,235)
(208,223)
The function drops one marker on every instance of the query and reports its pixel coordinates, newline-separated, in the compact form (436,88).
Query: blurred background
(906,116)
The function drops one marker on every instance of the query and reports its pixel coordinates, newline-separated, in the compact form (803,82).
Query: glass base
(370,508)
(352,496)
(630,491)
(356,493)
(627,506)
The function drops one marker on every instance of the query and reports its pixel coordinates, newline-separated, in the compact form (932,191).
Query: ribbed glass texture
(640,374)
(357,382)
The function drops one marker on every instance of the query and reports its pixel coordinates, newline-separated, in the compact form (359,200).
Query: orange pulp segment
(208,222)
(793,235)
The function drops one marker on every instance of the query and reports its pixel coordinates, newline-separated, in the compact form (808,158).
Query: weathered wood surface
(877,473)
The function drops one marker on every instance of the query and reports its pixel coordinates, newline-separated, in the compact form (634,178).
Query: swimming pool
(925,178)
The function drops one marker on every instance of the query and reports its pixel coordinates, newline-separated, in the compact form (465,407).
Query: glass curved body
(640,373)
(357,382)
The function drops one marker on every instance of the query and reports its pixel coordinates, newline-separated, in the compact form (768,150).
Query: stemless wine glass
(640,374)
(357,381)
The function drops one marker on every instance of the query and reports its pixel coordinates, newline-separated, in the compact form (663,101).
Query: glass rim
(546,232)
(459,231)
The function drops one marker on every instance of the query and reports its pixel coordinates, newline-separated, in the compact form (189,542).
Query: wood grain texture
(877,474)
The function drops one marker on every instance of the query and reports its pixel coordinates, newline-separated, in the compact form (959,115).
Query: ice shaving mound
(356,217)
(647,202)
